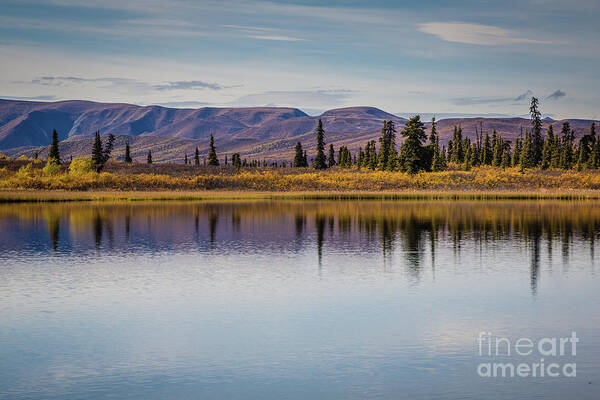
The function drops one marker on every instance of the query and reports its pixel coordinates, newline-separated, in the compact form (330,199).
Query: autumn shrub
(23,157)
(52,167)
(81,166)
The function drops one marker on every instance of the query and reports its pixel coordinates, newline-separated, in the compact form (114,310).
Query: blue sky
(425,56)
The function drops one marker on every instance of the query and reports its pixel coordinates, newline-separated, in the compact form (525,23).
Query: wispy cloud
(484,35)
(126,82)
(188,85)
(39,98)
(557,94)
(463,101)
(276,37)
(264,33)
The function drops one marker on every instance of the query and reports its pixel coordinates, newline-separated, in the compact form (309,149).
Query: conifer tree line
(417,152)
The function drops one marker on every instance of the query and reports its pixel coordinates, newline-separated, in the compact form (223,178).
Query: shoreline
(47,196)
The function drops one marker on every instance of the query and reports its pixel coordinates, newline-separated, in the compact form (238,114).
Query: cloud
(64,81)
(276,37)
(41,98)
(557,94)
(464,101)
(484,35)
(263,33)
(188,85)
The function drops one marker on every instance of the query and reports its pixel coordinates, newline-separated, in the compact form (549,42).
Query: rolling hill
(259,132)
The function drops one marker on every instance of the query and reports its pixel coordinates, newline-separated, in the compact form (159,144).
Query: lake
(299,300)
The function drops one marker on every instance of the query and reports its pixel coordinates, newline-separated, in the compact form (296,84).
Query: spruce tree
(127,153)
(411,152)
(236,160)
(108,148)
(299,157)
(536,131)
(487,151)
(185,160)
(526,159)
(97,153)
(555,150)
(212,152)
(433,136)
(331,158)
(197,157)
(387,150)
(566,155)
(54,153)
(437,163)
(149,158)
(516,156)
(595,157)
(547,150)
(320,161)
(468,158)
(498,151)
(506,156)
(458,155)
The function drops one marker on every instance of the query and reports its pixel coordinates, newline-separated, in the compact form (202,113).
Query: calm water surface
(293,300)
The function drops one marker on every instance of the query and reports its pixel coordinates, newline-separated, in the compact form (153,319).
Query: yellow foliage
(23,157)
(81,166)
(52,167)
(478,179)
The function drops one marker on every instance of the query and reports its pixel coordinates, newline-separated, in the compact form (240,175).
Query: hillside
(259,132)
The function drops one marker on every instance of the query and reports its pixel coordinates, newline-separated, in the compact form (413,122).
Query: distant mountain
(260,132)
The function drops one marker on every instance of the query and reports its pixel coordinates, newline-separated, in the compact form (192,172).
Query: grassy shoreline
(29,196)
(30,183)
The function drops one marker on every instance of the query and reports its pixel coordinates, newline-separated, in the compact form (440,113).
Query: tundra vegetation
(535,162)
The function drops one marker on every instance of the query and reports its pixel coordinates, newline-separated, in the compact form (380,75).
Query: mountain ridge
(256,132)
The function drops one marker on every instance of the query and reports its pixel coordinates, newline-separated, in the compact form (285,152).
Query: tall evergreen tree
(467,158)
(536,131)
(487,152)
(387,150)
(97,153)
(506,156)
(566,155)
(585,149)
(299,157)
(331,158)
(54,152)
(185,160)
(320,161)
(236,160)
(516,156)
(547,150)
(498,150)
(197,157)
(149,158)
(127,158)
(433,135)
(527,159)
(212,152)
(412,151)
(438,162)
(458,155)
(555,150)
(595,157)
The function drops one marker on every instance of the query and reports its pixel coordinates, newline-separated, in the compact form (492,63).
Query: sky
(465,57)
